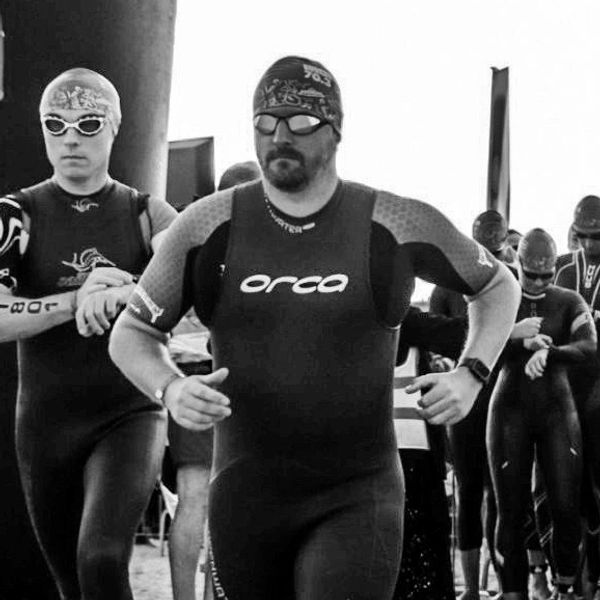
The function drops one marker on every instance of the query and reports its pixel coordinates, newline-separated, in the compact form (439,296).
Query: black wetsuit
(306,496)
(539,415)
(89,444)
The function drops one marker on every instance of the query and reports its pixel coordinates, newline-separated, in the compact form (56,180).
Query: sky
(415,79)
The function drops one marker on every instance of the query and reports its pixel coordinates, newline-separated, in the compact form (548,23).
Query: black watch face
(477,368)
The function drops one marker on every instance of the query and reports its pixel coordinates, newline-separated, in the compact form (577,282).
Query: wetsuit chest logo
(87,260)
(305,285)
(84,205)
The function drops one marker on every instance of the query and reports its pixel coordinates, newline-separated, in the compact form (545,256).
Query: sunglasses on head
(89,125)
(588,236)
(547,276)
(299,124)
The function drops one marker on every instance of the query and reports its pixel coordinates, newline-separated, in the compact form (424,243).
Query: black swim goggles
(545,276)
(88,125)
(588,236)
(299,124)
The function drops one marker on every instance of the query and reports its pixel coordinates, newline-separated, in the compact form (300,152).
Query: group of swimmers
(302,280)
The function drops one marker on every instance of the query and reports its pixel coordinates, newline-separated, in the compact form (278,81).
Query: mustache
(284,152)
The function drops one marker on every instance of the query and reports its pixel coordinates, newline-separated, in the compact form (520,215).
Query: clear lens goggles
(90,125)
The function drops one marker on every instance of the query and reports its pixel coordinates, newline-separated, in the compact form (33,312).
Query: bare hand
(194,403)
(537,364)
(537,342)
(96,312)
(448,397)
(526,328)
(100,279)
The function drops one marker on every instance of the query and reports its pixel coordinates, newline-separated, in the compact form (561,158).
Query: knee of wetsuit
(102,566)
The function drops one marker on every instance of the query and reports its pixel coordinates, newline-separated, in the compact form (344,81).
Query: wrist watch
(159,393)
(477,368)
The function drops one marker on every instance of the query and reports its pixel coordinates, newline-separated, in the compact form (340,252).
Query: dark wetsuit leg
(511,450)
(467,443)
(91,518)
(309,543)
(54,500)
(118,479)
(560,461)
(525,413)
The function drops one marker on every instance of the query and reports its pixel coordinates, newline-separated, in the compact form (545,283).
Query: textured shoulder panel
(158,298)
(203,216)
(413,221)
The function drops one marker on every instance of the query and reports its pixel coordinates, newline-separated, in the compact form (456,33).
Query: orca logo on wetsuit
(305,285)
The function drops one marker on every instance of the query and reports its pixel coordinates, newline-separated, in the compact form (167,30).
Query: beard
(289,170)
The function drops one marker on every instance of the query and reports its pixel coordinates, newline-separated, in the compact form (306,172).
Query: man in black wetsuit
(89,444)
(303,281)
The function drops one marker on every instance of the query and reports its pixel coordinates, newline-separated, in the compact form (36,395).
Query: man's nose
(71,137)
(282,133)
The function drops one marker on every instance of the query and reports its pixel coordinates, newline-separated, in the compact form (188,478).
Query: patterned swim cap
(83,89)
(301,83)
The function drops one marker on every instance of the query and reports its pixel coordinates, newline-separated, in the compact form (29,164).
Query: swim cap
(586,218)
(490,230)
(239,173)
(303,84)
(83,89)
(537,251)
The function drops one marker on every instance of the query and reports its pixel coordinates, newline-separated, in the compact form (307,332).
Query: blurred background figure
(512,239)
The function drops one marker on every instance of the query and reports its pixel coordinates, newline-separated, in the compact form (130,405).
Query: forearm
(578,352)
(140,351)
(580,349)
(492,316)
(22,318)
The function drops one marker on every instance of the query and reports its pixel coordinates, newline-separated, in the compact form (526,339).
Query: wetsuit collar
(95,195)
(528,296)
(296,225)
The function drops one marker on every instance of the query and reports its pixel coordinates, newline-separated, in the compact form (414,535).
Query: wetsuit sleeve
(583,338)
(435,333)
(162,296)
(11,230)
(138,342)
(438,252)
(161,215)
